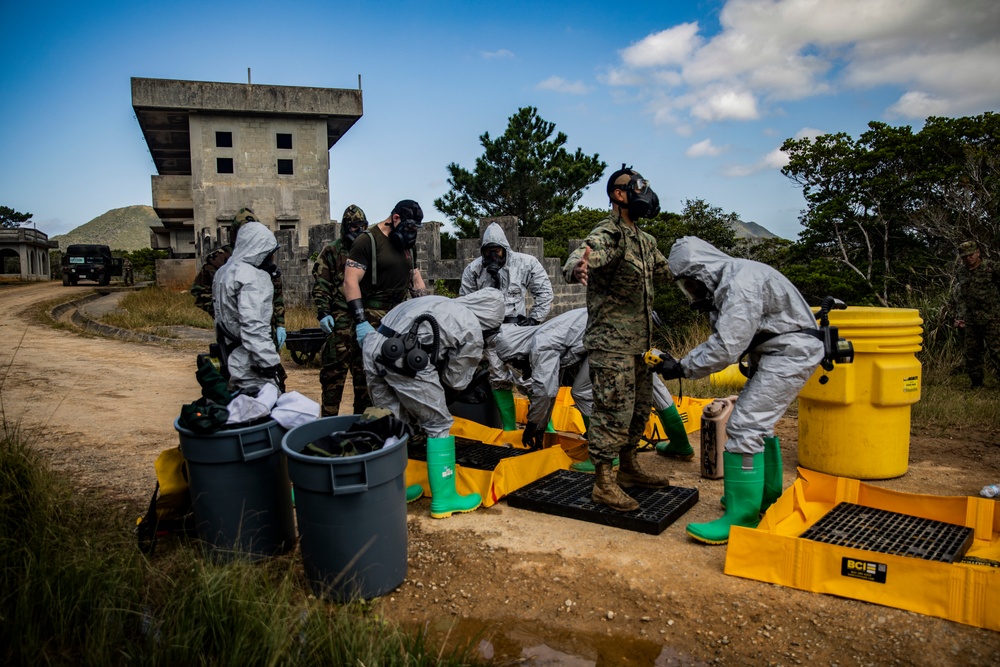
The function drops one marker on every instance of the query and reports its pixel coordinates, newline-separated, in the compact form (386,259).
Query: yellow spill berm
(560,449)
(965,591)
(565,416)
(857,424)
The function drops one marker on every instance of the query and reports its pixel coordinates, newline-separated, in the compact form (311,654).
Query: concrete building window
(284,167)
(223,139)
(284,140)
(286,225)
(224,165)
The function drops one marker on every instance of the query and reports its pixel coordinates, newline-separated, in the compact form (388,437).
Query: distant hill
(124,228)
(751,230)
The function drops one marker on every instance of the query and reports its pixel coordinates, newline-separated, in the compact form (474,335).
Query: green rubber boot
(414,492)
(505,402)
(773,472)
(441,472)
(678,446)
(744,488)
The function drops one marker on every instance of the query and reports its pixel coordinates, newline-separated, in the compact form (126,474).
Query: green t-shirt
(387,279)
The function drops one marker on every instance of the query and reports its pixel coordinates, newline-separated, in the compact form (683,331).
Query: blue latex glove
(363,330)
(326,324)
(281,335)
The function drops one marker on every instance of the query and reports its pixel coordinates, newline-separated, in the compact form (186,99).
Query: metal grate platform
(881,531)
(566,493)
(469,453)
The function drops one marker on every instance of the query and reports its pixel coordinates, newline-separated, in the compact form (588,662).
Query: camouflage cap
(967,248)
(353,213)
(243,216)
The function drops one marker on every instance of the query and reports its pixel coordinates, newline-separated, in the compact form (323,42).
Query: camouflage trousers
(623,399)
(981,341)
(339,355)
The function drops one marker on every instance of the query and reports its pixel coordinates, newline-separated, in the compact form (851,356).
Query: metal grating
(566,493)
(469,453)
(881,531)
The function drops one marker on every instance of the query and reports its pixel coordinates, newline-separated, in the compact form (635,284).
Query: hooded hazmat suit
(420,400)
(551,350)
(242,296)
(520,274)
(748,298)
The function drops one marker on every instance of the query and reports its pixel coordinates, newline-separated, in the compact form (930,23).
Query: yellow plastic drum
(858,423)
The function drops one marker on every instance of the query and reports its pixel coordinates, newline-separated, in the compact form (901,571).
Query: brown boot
(607,492)
(630,474)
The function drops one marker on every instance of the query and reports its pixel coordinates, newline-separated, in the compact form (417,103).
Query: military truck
(89,262)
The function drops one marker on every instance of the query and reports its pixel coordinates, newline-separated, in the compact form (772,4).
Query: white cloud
(560,85)
(776,159)
(941,56)
(667,47)
(496,55)
(808,133)
(725,105)
(704,149)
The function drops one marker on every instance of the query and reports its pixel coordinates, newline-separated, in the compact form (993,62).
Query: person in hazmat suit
(422,349)
(516,274)
(753,309)
(553,355)
(201,288)
(340,352)
(242,292)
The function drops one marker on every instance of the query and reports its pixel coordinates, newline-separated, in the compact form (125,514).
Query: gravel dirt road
(538,589)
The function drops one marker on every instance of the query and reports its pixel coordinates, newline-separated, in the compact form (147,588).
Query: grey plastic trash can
(351,513)
(240,490)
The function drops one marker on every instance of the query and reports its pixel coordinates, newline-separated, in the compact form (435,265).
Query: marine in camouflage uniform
(201,288)
(128,273)
(340,352)
(977,311)
(621,261)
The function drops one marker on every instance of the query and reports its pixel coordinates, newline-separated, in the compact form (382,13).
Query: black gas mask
(642,201)
(404,235)
(268,264)
(697,293)
(405,354)
(494,258)
(350,231)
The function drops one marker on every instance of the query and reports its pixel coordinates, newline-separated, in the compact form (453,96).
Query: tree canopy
(891,206)
(525,173)
(9,218)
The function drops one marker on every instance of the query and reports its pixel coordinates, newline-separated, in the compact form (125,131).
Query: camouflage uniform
(128,273)
(201,288)
(340,352)
(623,260)
(975,302)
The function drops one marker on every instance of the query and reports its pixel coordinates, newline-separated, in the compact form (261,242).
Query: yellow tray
(965,592)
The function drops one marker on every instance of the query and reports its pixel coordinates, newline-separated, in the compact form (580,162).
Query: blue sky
(697,95)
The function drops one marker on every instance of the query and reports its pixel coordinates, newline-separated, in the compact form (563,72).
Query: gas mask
(268,264)
(642,201)
(494,258)
(404,235)
(697,293)
(350,231)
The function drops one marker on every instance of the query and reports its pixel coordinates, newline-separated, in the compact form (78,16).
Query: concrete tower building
(219,147)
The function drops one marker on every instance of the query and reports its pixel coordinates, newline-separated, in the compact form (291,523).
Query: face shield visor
(697,293)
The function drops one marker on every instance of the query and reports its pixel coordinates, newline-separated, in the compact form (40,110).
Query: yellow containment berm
(857,423)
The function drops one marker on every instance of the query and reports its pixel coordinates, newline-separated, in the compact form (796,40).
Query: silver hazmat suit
(243,296)
(749,297)
(520,275)
(551,349)
(420,400)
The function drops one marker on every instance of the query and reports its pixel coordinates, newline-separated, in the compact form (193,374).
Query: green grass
(74,590)
(150,309)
